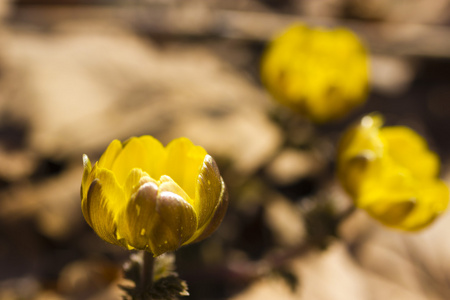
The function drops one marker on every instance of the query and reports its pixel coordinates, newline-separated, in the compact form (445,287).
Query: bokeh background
(75,74)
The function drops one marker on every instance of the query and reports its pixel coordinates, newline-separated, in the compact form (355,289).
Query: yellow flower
(391,173)
(140,195)
(320,73)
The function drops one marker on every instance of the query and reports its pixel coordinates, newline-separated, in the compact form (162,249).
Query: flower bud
(140,195)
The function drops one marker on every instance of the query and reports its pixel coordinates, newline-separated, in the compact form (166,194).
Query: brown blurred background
(75,74)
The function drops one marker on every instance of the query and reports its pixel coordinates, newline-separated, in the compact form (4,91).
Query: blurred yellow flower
(322,74)
(391,173)
(140,195)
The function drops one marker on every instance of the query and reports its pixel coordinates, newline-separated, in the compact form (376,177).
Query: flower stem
(147,272)
(345,214)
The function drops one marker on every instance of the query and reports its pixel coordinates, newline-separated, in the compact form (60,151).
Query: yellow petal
(98,214)
(385,183)
(173,224)
(167,184)
(208,190)
(391,213)
(133,155)
(399,200)
(87,168)
(211,200)
(85,185)
(184,161)
(353,171)
(126,228)
(433,197)
(115,198)
(390,199)
(156,155)
(216,218)
(409,149)
(135,179)
(362,138)
(359,153)
(135,221)
(109,156)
